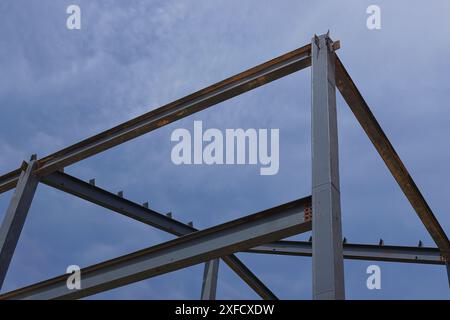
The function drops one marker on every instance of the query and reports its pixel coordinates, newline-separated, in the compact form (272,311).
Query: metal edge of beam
(368,122)
(249,277)
(327,259)
(353,251)
(81,189)
(245,81)
(72,185)
(237,235)
(209,283)
(15,217)
(9,181)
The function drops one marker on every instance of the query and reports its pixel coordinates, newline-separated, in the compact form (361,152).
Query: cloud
(59,86)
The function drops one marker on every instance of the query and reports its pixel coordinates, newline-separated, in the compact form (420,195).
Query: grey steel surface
(355,251)
(327,259)
(447,264)
(240,235)
(209,284)
(250,79)
(88,191)
(201,246)
(15,216)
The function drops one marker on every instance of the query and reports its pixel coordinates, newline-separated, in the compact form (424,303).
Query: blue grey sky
(58,86)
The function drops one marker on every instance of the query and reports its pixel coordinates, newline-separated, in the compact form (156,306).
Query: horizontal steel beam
(67,183)
(79,188)
(201,246)
(245,81)
(9,181)
(367,120)
(209,284)
(358,252)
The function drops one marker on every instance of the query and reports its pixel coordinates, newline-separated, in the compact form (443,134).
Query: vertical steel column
(327,257)
(15,217)
(447,264)
(209,285)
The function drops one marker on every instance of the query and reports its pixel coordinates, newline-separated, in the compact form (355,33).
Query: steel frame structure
(259,233)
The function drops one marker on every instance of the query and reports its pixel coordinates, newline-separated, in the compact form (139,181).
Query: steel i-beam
(266,226)
(447,264)
(327,259)
(15,216)
(357,251)
(226,89)
(89,192)
(369,123)
(209,285)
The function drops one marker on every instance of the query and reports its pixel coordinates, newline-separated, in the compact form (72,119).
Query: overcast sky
(58,86)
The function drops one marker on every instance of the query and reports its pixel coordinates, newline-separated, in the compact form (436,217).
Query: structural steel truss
(261,232)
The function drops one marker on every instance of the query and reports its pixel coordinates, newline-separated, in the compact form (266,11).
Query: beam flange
(16,215)
(327,260)
(209,284)
(368,122)
(89,192)
(94,194)
(237,235)
(245,81)
(353,251)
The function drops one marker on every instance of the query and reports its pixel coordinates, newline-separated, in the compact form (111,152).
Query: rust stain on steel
(367,120)
(137,126)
